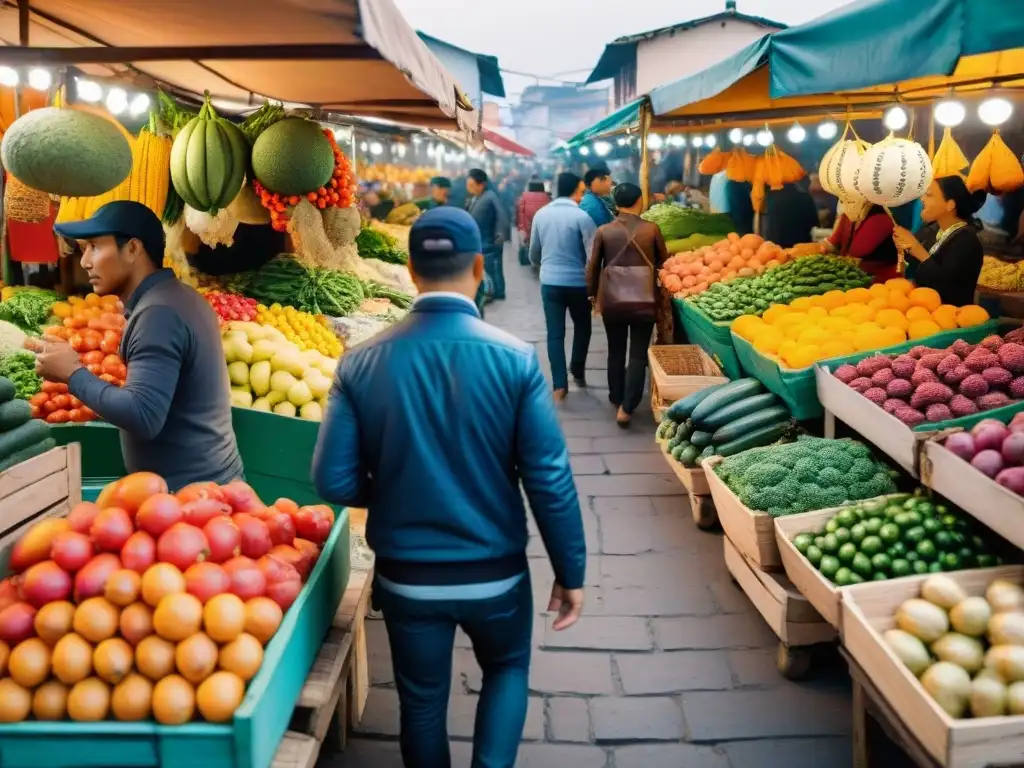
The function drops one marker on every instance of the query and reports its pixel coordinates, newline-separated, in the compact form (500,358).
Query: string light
(88,91)
(584,151)
(765,137)
(376,148)
(117,101)
(748,139)
(40,79)
(796,134)
(827,130)
(697,142)
(736,136)
(8,77)
(654,141)
(949,113)
(139,104)
(896,119)
(994,112)
(622,141)
(602,148)
(711,140)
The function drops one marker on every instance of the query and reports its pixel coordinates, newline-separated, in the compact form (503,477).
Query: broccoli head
(765,474)
(862,470)
(830,477)
(806,470)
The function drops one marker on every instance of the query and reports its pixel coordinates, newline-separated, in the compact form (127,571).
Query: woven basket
(678,370)
(22,203)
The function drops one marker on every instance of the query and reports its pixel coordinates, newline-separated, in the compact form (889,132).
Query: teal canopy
(622,119)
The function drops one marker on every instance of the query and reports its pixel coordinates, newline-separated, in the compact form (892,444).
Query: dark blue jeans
(422,637)
(495,270)
(558,300)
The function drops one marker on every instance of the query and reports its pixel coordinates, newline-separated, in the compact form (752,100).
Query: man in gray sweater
(174,410)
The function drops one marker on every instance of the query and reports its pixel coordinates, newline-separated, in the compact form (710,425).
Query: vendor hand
(55,359)
(904,240)
(568,603)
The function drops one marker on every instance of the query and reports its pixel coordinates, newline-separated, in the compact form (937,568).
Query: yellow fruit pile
(841,323)
(1001,275)
(304,330)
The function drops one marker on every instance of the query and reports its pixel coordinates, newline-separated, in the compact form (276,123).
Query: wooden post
(645,164)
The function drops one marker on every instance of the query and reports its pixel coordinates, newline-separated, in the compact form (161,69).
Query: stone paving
(671,666)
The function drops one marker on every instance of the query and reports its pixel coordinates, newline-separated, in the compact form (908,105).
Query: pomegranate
(311,523)
(197,491)
(134,489)
(293,557)
(111,529)
(255,541)
(71,550)
(281,527)
(206,580)
(223,537)
(81,517)
(202,511)
(158,513)
(92,579)
(139,552)
(247,580)
(17,623)
(45,582)
(182,545)
(241,497)
(35,545)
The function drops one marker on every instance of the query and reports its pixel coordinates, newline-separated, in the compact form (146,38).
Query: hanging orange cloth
(949,159)
(714,162)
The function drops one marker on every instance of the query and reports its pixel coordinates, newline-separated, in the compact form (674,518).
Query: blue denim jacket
(596,208)
(431,426)
(560,242)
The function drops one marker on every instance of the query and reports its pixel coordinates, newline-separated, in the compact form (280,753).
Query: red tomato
(247,580)
(201,511)
(281,528)
(182,545)
(77,342)
(58,417)
(95,357)
(111,342)
(158,513)
(206,580)
(223,537)
(111,529)
(139,552)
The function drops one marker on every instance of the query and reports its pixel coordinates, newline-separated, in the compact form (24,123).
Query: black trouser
(626,380)
(558,300)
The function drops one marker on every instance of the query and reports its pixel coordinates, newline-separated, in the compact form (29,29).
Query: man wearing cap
(432,426)
(440,187)
(174,410)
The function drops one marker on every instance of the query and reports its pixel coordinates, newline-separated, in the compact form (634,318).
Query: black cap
(441,181)
(123,218)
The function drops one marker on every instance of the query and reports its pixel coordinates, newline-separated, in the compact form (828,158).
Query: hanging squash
(996,169)
(713,163)
(736,167)
(757,186)
(893,172)
(208,161)
(949,159)
(841,168)
(790,167)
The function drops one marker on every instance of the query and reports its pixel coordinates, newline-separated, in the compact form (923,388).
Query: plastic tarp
(383,69)
(621,120)
(504,143)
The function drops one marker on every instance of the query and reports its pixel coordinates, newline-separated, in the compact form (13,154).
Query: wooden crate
(693,479)
(48,485)
(752,533)
(678,370)
(868,610)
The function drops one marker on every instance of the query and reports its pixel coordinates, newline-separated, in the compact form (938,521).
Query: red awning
(505,143)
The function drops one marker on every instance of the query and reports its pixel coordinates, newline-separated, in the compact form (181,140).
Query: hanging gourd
(713,163)
(949,159)
(209,158)
(841,166)
(893,172)
(736,169)
(996,169)
(790,167)
(757,185)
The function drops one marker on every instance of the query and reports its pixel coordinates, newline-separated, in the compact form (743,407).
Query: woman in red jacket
(864,232)
(533,199)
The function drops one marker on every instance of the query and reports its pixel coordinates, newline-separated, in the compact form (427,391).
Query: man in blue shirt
(432,426)
(490,215)
(595,202)
(560,243)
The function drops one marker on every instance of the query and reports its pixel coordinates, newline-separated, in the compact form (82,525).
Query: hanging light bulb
(88,91)
(735,135)
(676,141)
(584,151)
(654,141)
(994,112)
(376,148)
(697,142)
(765,138)
(621,141)
(39,79)
(796,134)
(895,119)
(949,113)
(748,139)
(364,147)
(8,77)
(827,130)
(117,101)
(710,140)
(139,104)
(602,148)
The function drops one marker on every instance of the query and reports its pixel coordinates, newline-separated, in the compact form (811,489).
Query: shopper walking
(491,217)
(441,476)
(532,201)
(560,244)
(595,202)
(621,279)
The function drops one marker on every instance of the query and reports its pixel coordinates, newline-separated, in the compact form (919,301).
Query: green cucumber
(685,429)
(13,414)
(707,453)
(732,392)
(22,436)
(670,432)
(27,453)
(678,450)
(688,456)
(682,408)
(756,439)
(738,410)
(6,389)
(701,439)
(736,429)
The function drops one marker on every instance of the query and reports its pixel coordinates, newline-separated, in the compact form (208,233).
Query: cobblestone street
(671,666)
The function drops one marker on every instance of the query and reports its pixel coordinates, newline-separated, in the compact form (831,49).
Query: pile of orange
(840,323)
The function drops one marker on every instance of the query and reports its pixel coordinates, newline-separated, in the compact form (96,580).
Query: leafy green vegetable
(285,281)
(20,368)
(677,221)
(375,290)
(374,244)
(28,308)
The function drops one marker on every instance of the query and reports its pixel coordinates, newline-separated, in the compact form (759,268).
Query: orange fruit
(160,580)
(112,660)
(919,329)
(5,654)
(898,300)
(29,664)
(15,702)
(89,700)
(178,616)
(196,658)
(72,659)
(50,701)
(123,587)
(927,298)
(243,656)
(262,618)
(918,313)
(154,657)
(899,285)
(224,617)
(136,622)
(945,316)
(132,698)
(971,314)
(219,695)
(891,318)
(174,700)
(54,620)
(96,619)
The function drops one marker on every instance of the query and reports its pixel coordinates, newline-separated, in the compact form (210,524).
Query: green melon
(66,152)
(293,157)
(209,157)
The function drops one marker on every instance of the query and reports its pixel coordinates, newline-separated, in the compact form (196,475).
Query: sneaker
(579,381)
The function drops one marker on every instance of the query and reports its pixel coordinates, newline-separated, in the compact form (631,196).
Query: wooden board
(351,617)
(868,610)
(752,533)
(297,750)
(790,616)
(693,479)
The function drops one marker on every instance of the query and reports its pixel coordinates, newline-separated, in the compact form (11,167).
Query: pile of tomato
(57,406)
(231,306)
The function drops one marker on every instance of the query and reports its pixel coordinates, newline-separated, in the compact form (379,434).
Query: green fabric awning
(622,119)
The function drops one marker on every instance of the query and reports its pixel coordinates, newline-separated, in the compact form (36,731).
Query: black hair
(535,186)
(967,203)
(593,175)
(626,195)
(567,184)
(478,175)
(157,258)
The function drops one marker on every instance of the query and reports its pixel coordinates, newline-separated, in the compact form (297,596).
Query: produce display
(302,329)
(723,420)
(999,275)
(691,272)
(811,276)
(22,434)
(898,536)
(995,449)
(692,243)
(20,367)
(375,244)
(808,474)
(840,323)
(148,605)
(269,373)
(231,306)
(933,385)
(966,650)
(28,309)
(315,290)
(677,221)
(208,161)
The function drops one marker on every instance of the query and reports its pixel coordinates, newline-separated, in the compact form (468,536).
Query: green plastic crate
(249,741)
(798,389)
(714,338)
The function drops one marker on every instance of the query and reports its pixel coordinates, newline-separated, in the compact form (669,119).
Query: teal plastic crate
(249,741)
(798,389)
(714,338)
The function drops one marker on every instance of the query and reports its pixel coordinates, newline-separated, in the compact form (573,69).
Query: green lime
(857,533)
(926,550)
(831,525)
(913,518)
(932,525)
(813,555)
(977,543)
(842,578)
(873,525)
(856,578)
(903,520)
(967,557)
(880,577)
(892,510)
(900,567)
(950,520)
(847,552)
(943,540)
(881,562)
(914,535)
(898,549)
(872,508)
(829,566)
(831,544)
(890,533)
(846,518)
(925,508)
(910,503)
(871,545)
(862,564)
(986,561)
(941,509)
(935,567)
(951,562)
(921,566)
(842,535)
(819,542)
(802,541)
(912,556)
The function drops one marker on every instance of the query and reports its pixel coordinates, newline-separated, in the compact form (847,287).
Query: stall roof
(505,143)
(625,118)
(490,72)
(353,56)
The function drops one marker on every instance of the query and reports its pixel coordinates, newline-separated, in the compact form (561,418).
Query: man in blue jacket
(595,202)
(489,212)
(432,426)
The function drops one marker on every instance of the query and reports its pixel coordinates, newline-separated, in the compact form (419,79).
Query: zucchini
(701,439)
(688,456)
(682,408)
(732,392)
(756,439)
(29,433)
(752,421)
(675,453)
(27,453)
(13,414)
(685,429)
(679,439)
(738,410)
(6,389)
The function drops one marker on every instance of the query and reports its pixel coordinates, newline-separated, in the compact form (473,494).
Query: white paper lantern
(844,167)
(894,172)
(823,175)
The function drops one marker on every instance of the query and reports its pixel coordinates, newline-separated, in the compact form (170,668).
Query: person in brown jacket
(622,281)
